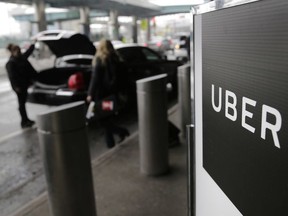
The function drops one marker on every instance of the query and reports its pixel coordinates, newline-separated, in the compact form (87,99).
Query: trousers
(22,98)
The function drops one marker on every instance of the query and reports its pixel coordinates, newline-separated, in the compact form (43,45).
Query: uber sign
(245,105)
(231,113)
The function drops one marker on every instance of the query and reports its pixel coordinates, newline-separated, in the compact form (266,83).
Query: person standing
(21,74)
(104,82)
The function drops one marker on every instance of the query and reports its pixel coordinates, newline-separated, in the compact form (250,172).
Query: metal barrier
(153,124)
(67,164)
(184,97)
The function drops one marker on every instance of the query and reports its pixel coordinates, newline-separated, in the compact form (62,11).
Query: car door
(156,65)
(141,62)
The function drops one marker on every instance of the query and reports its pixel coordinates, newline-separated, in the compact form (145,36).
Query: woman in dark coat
(21,74)
(104,82)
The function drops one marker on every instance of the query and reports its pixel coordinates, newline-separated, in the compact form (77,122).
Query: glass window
(131,54)
(138,54)
(150,55)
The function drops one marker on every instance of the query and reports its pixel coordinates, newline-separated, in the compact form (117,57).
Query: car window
(138,54)
(131,54)
(150,55)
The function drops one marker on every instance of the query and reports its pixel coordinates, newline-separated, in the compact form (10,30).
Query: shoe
(123,135)
(27,124)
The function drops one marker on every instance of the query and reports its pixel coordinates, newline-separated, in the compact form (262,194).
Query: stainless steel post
(191,171)
(153,124)
(184,97)
(67,165)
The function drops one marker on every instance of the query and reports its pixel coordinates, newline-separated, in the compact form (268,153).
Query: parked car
(68,79)
(160,45)
(142,62)
(73,58)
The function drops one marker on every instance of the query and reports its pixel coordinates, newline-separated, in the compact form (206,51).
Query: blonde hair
(104,50)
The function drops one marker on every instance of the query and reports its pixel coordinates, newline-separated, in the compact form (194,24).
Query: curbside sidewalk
(120,188)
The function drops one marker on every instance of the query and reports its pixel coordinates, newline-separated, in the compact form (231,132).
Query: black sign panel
(245,105)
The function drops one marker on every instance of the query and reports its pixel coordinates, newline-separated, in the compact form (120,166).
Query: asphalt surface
(21,168)
(21,171)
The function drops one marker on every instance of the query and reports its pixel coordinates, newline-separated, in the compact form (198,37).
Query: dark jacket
(104,80)
(20,71)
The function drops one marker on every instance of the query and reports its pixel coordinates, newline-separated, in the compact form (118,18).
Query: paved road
(21,171)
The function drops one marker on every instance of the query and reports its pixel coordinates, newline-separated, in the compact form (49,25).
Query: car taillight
(158,44)
(76,81)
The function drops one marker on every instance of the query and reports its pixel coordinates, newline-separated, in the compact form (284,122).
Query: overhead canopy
(129,7)
(140,8)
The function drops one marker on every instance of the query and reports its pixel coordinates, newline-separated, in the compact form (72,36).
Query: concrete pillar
(29,27)
(85,20)
(40,14)
(114,25)
(148,29)
(134,29)
(58,24)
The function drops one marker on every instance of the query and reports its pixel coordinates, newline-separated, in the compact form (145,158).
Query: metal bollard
(65,151)
(191,161)
(184,97)
(153,124)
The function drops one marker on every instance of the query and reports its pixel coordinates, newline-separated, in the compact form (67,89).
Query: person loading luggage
(21,74)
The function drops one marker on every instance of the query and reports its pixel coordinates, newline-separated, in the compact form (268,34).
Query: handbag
(105,107)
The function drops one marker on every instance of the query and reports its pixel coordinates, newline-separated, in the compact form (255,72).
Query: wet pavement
(121,189)
(21,173)
(21,170)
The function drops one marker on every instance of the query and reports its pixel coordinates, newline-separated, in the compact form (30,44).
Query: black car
(69,78)
(142,62)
